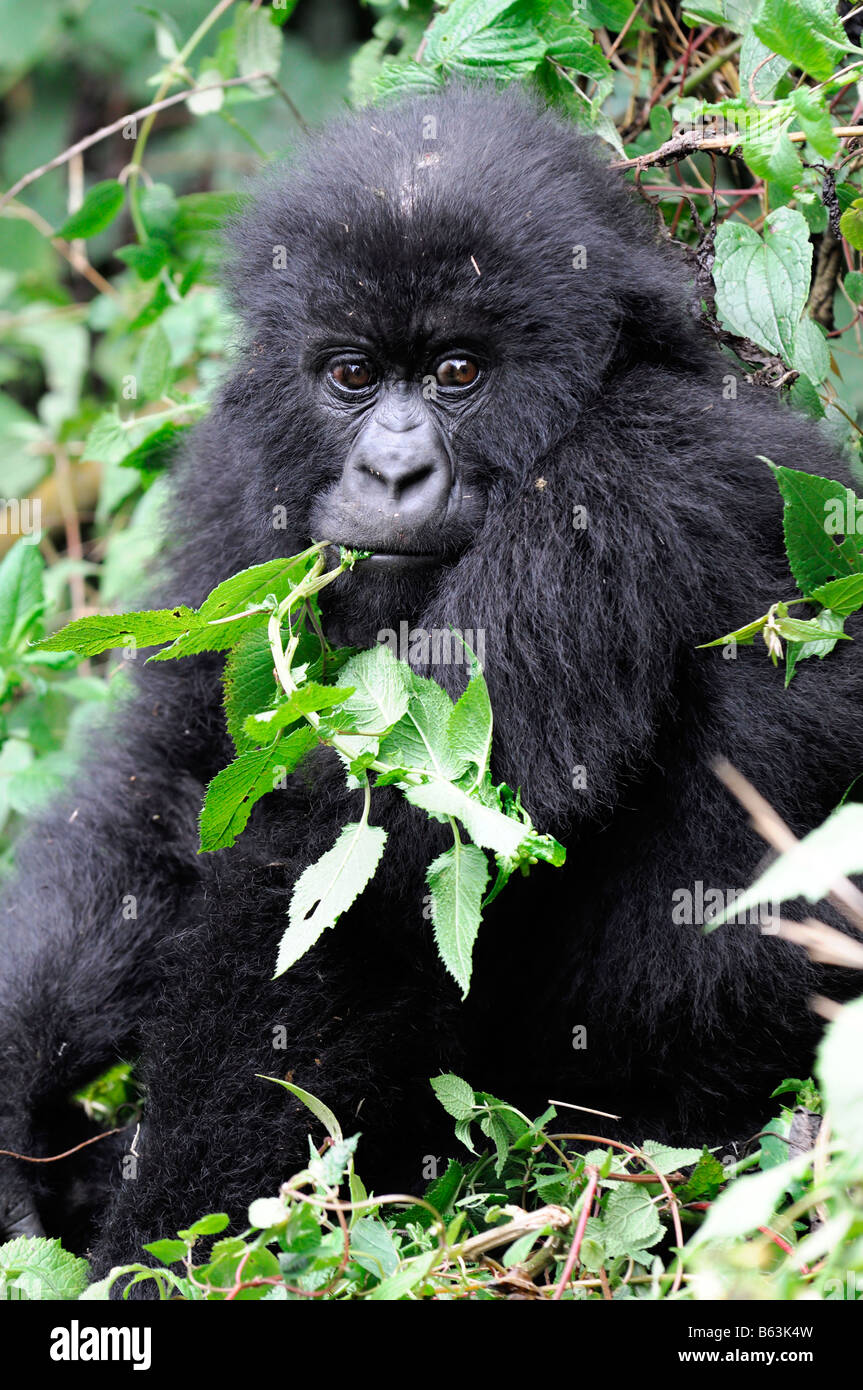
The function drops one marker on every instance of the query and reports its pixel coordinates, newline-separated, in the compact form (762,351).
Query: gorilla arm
(99,883)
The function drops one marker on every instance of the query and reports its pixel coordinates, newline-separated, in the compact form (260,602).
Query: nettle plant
(823,528)
(286,691)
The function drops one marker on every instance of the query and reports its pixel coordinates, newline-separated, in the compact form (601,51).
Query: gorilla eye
(456,371)
(354,375)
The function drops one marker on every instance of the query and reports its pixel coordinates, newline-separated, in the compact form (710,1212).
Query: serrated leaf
(167,1252)
(811,505)
(470,725)
(802,651)
(249,683)
(146,259)
(808,33)
(457,880)
(842,596)
(98,210)
(98,633)
(234,791)
(771,154)
(749,1202)
(327,888)
(41,1269)
(839,1072)
(851,224)
(420,738)
(380,685)
(630,1220)
(667,1159)
(311,698)
(815,119)
(258,46)
(486,827)
(455,1095)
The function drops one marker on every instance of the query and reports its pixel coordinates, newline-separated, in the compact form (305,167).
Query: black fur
(605,393)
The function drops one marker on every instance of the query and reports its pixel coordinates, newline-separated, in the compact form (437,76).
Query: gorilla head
(426,324)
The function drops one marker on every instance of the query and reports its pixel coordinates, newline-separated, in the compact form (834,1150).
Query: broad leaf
(457,880)
(235,790)
(327,888)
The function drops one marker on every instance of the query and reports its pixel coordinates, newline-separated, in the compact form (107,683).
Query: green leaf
(380,685)
(851,224)
(853,284)
(41,1269)
(235,790)
(327,888)
(808,630)
(770,154)
(455,1095)
(457,880)
(209,1225)
(750,1202)
(399,1285)
(97,211)
(630,1220)
(158,449)
(158,209)
(841,596)
(666,1159)
(258,46)
(249,683)
(419,740)
(319,1110)
(839,1072)
(461,22)
(311,698)
(802,651)
(762,283)
(20,589)
(808,33)
(815,119)
(242,591)
(92,635)
(817,510)
(373,1248)
(146,259)
(167,1252)
(486,827)
(154,363)
(470,724)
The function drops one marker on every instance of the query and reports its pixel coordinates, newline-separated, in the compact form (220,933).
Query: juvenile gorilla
(467,352)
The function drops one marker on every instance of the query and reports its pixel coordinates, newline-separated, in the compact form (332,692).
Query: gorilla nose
(405,473)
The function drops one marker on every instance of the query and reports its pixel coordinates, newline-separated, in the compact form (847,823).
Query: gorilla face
(402,493)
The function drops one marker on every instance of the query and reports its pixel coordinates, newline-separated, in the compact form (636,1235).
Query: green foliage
(380,718)
(823,527)
(773,1224)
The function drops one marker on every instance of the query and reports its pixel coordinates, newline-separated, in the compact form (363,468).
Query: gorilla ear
(657,310)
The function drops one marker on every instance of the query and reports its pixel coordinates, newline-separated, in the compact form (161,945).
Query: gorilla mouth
(394,559)
(377,559)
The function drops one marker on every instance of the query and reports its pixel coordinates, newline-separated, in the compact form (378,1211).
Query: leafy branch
(381,720)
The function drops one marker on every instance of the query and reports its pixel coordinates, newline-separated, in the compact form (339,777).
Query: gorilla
(464,348)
